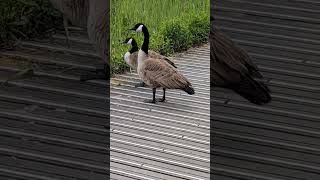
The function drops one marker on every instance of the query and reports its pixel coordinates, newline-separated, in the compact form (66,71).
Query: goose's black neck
(145,45)
(134,47)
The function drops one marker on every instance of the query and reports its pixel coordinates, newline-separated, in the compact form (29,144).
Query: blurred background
(174,26)
(25,19)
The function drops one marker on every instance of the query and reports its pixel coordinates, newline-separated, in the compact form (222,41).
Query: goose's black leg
(140,84)
(154,97)
(65,24)
(163,99)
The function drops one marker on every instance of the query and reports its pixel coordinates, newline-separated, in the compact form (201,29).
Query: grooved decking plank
(183,146)
(281,139)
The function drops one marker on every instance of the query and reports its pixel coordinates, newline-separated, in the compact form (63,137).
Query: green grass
(174,25)
(23,19)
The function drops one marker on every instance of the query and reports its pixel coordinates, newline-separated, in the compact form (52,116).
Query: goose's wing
(164,75)
(133,60)
(221,75)
(156,55)
(232,68)
(234,57)
(170,62)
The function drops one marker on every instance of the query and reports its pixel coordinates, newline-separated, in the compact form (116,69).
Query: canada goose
(98,31)
(131,57)
(74,11)
(157,73)
(92,15)
(231,67)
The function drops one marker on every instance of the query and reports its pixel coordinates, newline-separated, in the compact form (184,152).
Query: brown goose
(131,57)
(92,15)
(74,11)
(231,67)
(156,73)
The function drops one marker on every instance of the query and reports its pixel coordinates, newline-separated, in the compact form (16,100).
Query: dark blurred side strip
(279,140)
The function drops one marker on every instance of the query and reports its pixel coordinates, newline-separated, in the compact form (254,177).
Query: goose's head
(138,27)
(126,56)
(128,41)
(131,41)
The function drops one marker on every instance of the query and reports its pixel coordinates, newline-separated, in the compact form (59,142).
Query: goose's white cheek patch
(126,57)
(130,41)
(139,29)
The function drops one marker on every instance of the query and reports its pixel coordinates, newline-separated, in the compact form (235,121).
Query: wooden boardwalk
(280,140)
(53,125)
(168,140)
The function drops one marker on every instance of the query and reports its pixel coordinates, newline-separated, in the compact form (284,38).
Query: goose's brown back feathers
(231,67)
(133,59)
(157,74)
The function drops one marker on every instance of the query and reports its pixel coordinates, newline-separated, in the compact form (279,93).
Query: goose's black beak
(132,29)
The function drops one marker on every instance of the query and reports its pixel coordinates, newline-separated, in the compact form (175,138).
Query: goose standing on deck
(92,15)
(131,57)
(231,67)
(156,73)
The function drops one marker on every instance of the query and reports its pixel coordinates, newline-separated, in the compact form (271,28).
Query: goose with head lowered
(131,57)
(232,68)
(157,73)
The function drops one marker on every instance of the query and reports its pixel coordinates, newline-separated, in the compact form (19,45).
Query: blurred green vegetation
(24,19)
(174,26)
